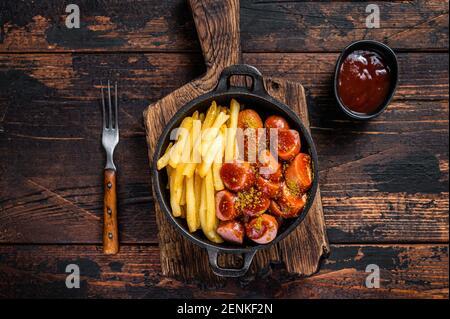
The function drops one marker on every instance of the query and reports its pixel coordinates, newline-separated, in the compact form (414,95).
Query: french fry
(179,146)
(213,236)
(188,145)
(211,133)
(202,208)
(211,115)
(217,164)
(176,190)
(201,117)
(231,135)
(173,204)
(191,214)
(221,119)
(176,209)
(169,173)
(164,160)
(183,192)
(210,201)
(218,184)
(211,219)
(198,195)
(183,212)
(208,159)
(195,136)
(173,160)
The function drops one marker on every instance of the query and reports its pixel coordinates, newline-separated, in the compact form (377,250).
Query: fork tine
(109,106)
(103,105)
(116,123)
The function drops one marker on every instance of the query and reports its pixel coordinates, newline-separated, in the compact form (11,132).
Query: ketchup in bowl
(364,81)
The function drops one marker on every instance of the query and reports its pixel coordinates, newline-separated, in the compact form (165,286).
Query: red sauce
(226,205)
(364,81)
(257,228)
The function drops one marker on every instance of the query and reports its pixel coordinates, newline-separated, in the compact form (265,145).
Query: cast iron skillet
(258,99)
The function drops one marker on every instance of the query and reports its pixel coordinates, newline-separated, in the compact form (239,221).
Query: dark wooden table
(384,183)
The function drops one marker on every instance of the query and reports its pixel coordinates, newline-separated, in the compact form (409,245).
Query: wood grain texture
(217,25)
(406,271)
(48,201)
(180,258)
(385,181)
(267,26)
(110,226)
(299,26)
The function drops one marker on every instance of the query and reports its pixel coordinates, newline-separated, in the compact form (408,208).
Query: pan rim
(184,111)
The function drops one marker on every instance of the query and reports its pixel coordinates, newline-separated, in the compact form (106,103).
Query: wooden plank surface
(407,144)
(39,272)
(267,26)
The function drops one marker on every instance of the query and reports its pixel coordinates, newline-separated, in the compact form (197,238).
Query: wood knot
(275,85)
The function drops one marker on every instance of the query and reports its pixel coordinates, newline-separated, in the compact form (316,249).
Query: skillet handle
(242,69)
(229,272)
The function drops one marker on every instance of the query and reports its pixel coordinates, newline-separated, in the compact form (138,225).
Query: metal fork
(110,138)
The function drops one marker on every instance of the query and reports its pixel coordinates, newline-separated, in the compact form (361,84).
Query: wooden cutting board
(217,24)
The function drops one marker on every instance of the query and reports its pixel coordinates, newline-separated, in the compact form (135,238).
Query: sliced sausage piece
(237,176)
(288,144)
(278,122)
(252,202)
(250,122)
(262,229)
(281,210)
(225,205)
(288,205)
(268,188)
(249,119)
(295,201)
(231,231)
(299,174)
(269,167)
(275,209)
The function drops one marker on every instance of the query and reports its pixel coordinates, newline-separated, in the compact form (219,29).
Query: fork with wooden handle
(110,138)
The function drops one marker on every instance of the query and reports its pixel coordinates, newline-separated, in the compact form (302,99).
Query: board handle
(110,227)
(217,24)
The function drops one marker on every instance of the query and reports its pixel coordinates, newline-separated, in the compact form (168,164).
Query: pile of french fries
(193,161)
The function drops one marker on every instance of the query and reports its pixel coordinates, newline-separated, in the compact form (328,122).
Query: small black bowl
(391,60)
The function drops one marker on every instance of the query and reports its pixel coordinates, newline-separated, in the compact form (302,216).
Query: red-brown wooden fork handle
(110,228)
